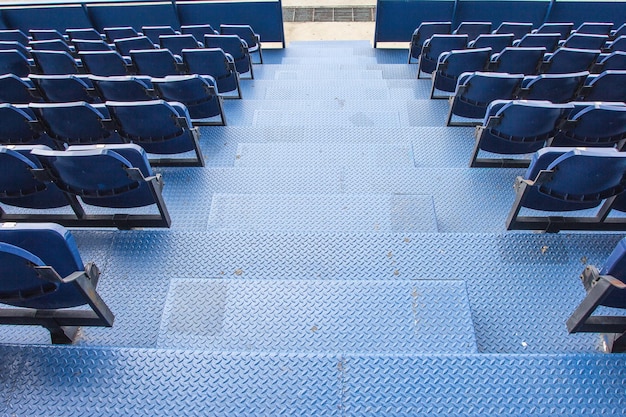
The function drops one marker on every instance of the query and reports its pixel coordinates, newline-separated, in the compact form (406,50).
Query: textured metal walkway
(336,256)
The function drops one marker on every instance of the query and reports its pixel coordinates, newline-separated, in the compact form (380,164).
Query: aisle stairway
(335,257)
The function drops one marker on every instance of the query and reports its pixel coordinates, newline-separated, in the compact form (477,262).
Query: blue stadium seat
(518,29)
(472,29)
(474,92)
(124,88)
(84,34)
(156,62)
(55,63)
(125,45)
(219,65)
(110,176)
(247,34)
(46,35)
(607,86)
(176,43)
(435,46)
(41,269)
(160,128)
(613,61)
(593,125)
(620,31)
(64,88)
(619,44)
(153,32)
(13,62)
(452,64)
(497,42)
(52,45)
(20,127)
(198,31)
(554,183)
(562,28)
(423,32)
(568,60)
(14,45)
(76,123)
(585,41)
(197,92)
(105,63)
(605,287)
(236,47)
(518,60)
(595,28)
(550,41)
(14,35)
(81,45)
(516,127)
(16,90)
(119,32)
(557,88)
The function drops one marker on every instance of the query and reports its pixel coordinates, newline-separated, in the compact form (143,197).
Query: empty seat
(516,127)
(593,125)
(176,43)
(125,45)
(618,44)
(55,62)
(476,90)
(109,176)
(124,88)
(198,31)
(568,60)
(160,128)
(19,127)
(105,63)
(247,34)
(550,41)
(452,64)
(16,90)
(497,42)
(605,287)
(518,29)
(236,47)
(153,32)
(606,86)
(64,88)
(585,41)
(14,35)
(595,28)
(620,31)
(14,45)
(41,271)
(76,123)
(52,45)
(198,93)
(613,61)
(518,60)
(562,28)
(554,183)
(46,35)
(557,88)
(423,32)
(216,63)
(435,46)
(156,62)
(119,32)
(85,34)
(91,45)
(13,62)
(472,29)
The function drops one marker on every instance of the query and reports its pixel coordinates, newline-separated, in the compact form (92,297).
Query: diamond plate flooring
(336,256)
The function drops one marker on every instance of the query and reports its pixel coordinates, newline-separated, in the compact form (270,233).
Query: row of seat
(476,90)
(473,30)
(159,127)
(198,93)
(519,127)
(109,177)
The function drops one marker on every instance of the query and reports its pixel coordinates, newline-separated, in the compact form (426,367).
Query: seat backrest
(13,62)
(437,44)
(120,32)
(245,32)
(16,128)
(46,34)
(585,41)
(518,29)
(91,45)
(54,62)
(26,245)
(153,32)
(557,88)
(595,124)
(619,44)
(85,34)
(562,28)
(472,29)
(231,44)
(456,62)
(16,90)
(125,45)
(550,41)
(14,45)
(210,61)
(519,60)
(607,86)
(197,92)
(176,43)
(14,35)
(198,31)
(595,28)
(497,42)
(104,63)
(64,88)
(123,88)
(154,62)
(614,61)
(424,31)
(51,45)
(569,60)
(482,88)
